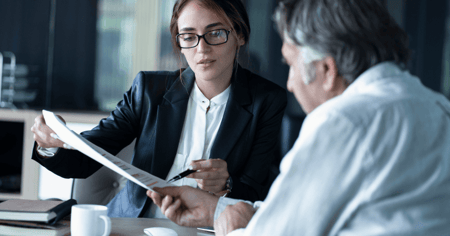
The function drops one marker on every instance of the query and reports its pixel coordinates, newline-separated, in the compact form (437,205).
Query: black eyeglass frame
(203,36)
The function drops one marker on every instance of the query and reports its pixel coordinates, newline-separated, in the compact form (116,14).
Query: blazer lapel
(169,123)
(235,117)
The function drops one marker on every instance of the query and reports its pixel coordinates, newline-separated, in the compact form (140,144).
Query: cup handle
(107,222)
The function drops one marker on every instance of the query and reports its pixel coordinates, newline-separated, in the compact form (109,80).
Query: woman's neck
(211,89)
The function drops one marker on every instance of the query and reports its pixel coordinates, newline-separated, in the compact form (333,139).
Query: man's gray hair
(358,34)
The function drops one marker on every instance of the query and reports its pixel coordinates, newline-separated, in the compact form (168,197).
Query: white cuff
(47,152)
(223,203)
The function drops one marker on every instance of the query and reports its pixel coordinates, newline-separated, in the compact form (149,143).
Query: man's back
(373,161)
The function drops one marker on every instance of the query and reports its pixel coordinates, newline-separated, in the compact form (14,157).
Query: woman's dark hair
(358,34)
(232,10)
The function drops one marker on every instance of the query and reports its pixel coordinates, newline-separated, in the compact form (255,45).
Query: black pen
(181,175)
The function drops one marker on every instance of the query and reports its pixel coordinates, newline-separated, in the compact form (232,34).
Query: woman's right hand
(43,135)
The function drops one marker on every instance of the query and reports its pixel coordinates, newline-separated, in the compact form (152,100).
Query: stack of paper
(140,177)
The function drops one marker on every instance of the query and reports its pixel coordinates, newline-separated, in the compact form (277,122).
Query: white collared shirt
(372,161)
(202,122)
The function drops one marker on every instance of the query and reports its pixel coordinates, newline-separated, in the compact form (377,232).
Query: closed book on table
(19,228)
(35,210)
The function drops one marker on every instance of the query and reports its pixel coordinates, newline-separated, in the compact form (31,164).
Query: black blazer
(153,112)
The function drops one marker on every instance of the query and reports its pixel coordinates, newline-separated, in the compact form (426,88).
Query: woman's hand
(211,176)
(44,136)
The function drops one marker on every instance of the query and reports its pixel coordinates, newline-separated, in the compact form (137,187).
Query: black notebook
(35,210)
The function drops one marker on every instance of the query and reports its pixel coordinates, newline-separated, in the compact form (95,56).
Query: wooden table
(136,226)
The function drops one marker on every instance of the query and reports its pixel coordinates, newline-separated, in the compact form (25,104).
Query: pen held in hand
(181,175)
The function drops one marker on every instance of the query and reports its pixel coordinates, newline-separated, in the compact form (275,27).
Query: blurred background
(84,54)
(79,57)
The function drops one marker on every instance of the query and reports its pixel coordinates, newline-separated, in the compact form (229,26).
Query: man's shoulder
(404,100)
(356,109)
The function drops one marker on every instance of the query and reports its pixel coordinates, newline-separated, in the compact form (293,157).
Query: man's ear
(330,73)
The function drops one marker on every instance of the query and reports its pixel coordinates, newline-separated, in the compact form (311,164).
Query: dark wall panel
(74,55)
(24,31)
(425,25)
(63,57)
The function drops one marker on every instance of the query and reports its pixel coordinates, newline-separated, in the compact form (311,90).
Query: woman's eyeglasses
(213,37)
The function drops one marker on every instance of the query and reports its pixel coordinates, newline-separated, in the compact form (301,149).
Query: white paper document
(140,177)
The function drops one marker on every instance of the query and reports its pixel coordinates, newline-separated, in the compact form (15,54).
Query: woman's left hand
(211,176)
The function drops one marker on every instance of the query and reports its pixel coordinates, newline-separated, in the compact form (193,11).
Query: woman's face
(209,62)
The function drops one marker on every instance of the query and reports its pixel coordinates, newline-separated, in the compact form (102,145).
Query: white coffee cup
(89,219)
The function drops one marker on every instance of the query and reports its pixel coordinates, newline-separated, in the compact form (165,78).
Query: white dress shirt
(373,161)
(203,118)
(202,122)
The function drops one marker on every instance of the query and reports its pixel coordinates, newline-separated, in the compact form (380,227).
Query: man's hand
(211,176)
(186,206)
(234,217)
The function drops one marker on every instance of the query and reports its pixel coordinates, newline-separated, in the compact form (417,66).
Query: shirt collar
(219,99)
(374,74)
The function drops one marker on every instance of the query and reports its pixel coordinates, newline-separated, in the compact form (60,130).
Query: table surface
(136,226)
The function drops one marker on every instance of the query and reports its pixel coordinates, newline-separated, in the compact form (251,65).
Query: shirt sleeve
(47,152)
(224,202)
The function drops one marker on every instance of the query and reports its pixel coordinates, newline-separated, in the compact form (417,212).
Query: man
(373,156)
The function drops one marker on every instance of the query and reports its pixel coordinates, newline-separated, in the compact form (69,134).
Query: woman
(215,116)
